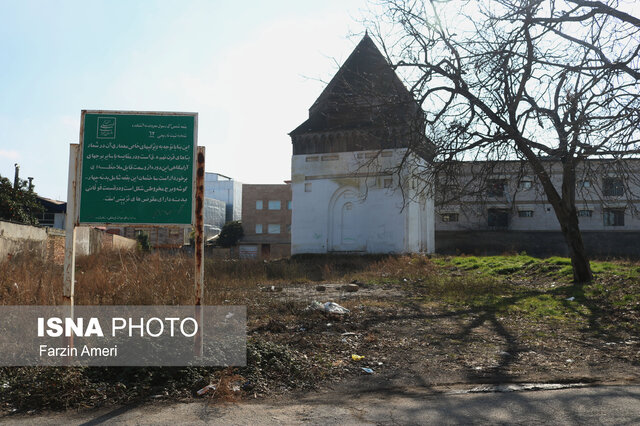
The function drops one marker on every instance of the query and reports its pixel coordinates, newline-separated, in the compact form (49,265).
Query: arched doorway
(345,233)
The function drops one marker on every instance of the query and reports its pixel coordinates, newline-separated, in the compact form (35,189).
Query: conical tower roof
(364,93)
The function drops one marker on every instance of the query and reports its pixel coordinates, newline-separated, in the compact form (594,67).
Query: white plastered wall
(344,202)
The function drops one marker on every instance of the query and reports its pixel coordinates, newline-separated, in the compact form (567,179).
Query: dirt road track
(590,405)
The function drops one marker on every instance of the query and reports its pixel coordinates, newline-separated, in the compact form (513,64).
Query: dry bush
(397,269)
(131,278)
(29,280)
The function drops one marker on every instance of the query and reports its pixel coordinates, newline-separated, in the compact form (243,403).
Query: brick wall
(55,247)
(270,245)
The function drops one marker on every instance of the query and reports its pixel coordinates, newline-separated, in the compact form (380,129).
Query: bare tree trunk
(579,261)
(565,210)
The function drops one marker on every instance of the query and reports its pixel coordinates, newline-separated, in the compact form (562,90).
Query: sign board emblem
(106,128)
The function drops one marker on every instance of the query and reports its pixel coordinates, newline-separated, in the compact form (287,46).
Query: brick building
(266,220)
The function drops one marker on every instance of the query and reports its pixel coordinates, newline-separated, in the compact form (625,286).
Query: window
(498,218)
(259,228)
(449,217)
(585,213)
(525,185)
(583,184)
(612,187)
(387,182)
(259,205)
(307,187)
(613,217)
(525,213)
(367,155)
(289,205)
(289,228)
(274,204)
(46,219)
(496,187)
(273,228)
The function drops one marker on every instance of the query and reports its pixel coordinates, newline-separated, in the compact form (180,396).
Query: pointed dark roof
(364,92)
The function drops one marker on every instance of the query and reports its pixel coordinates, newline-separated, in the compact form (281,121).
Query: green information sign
(137,167)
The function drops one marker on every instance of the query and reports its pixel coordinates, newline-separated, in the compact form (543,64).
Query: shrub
(230,234)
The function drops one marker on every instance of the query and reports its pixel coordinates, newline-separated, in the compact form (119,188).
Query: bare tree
(525,80)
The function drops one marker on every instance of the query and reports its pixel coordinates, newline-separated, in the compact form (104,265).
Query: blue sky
(250,69)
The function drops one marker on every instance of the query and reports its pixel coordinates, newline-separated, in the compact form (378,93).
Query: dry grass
(131,278)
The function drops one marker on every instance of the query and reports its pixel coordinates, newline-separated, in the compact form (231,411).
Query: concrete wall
(91,240)
(122,243)
(159,236)
(16,238)
(350,202)
(537,243)
(88,240)
(49,242)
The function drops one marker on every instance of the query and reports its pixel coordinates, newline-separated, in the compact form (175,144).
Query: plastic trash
(334,308)
(570,299)
(367,370)
(315,306)
(206,389)
(357,357)
(329,308)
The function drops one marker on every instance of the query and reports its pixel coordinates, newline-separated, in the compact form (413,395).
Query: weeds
(519,287)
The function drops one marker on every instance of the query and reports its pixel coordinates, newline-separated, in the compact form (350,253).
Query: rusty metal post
(199,249)
(68,291)
(70,227)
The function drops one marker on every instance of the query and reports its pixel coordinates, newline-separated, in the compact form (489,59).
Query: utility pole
(16,177)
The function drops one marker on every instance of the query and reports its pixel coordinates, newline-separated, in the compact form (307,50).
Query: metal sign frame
(73,217)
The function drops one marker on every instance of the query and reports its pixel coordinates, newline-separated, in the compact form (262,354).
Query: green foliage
(230,234)
(18,205)
(143,241)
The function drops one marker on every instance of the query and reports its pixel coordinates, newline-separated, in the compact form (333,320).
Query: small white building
(351,175)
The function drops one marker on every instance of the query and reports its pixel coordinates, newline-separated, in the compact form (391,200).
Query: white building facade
(349,191)
(341,204)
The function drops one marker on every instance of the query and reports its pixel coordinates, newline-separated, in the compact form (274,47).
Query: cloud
(9,155)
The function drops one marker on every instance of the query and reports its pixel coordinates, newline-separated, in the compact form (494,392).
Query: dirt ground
(414,324)
(410,344)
